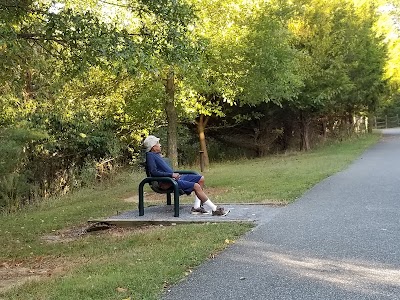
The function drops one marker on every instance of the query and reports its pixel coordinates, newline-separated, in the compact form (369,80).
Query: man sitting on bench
(158,167)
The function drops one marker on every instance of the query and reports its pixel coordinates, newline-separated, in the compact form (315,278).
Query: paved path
(340,240)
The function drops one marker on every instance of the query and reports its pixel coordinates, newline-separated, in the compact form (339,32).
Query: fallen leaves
(121,290)
(124,290)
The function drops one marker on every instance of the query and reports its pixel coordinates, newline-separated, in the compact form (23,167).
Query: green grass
(282,178)
(139,263)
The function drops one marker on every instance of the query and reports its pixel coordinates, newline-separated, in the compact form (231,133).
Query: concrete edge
(131,223)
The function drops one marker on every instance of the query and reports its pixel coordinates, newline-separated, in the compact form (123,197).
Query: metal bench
(153,182)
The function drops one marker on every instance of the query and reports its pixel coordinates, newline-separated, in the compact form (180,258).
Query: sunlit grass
(282,178)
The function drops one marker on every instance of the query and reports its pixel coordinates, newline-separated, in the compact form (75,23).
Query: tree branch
(38,37)
(11,6)
(115,4)
(19,7)
(47,50)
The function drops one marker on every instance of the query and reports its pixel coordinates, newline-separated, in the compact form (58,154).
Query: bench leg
(141,199)
(176,201)
(176,198)
(168,198)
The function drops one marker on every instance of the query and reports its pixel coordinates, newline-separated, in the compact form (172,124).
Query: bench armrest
(186,172)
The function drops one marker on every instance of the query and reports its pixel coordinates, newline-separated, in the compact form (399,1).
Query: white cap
(150,141)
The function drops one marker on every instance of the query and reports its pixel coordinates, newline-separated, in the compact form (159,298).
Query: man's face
(156,148)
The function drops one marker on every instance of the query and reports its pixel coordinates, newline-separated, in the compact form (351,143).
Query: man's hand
(176,176)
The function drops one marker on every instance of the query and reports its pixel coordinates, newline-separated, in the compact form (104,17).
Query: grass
(136,263)
(284,177)
(41,258)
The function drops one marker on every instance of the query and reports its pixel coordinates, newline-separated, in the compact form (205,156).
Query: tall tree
(345,60)
(248,58)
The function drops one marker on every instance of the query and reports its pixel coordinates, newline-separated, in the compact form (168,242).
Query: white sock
(210,205)
(197,202)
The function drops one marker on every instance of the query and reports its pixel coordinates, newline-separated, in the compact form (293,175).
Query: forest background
(83,82)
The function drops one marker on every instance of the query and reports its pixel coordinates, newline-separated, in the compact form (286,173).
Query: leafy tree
(345,61)
(61,61)
(248,59)
(387,26)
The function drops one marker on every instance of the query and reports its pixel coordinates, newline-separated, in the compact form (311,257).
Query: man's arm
(156,168)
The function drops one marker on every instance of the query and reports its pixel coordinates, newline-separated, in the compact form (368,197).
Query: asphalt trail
(338,241)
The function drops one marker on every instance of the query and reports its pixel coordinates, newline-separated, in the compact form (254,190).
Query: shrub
(16,181)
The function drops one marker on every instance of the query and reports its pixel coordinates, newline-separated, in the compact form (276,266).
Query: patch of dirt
(100,228)
(16,273)
(65,235)
(74,233)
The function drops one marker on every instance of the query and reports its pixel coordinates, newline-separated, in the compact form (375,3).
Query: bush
(52,155)
(16,181)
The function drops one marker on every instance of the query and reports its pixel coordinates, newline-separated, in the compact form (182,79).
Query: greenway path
(340,240)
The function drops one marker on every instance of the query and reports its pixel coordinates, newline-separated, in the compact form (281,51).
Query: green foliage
(91,76)
(14,145)
(347,59)
(168,30)
(16,191)
(73,143)
(271,63)
(16,181)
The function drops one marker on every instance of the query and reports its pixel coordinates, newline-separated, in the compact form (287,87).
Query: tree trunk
(304,133)
(287,133)
(172,119)
(201,125)
(324,124)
